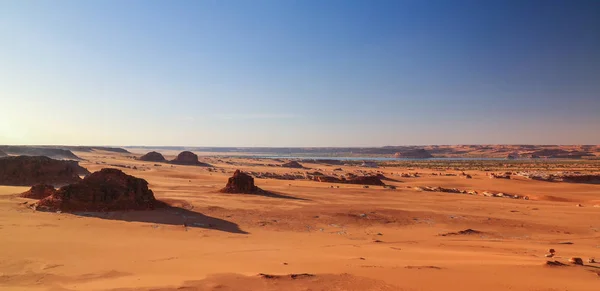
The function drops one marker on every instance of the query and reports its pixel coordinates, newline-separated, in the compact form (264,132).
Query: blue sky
(299,73)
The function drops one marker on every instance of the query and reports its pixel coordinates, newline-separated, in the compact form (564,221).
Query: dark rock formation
(568,178)
(589,179)
(361,180)
(105,190)
(576,261)
(28,171)
(315,173)
(500,176)
(269,175)
(39,191)
(328,179)
(464,175)
(293,164)
(153,157)
(188,158)
(512,156)
(240,182)
(414,154)
(366,180)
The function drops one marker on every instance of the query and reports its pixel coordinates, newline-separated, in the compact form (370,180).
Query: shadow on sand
(384,178)
(269,194)
(169,215)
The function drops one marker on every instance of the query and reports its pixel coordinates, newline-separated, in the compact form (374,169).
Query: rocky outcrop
(293,164)
(188,158)
(576,261)
(327,179)
(105,190)
(39,191)
(366,180)
(465,175)
(153,157)
(500,175)
(512,156)
(567,178)
(361,180)
(28,171)
(414,154)
(269,175)
(240,182)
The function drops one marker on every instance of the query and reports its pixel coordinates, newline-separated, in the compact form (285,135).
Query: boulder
(105,190)
(152,157)
(240,182)
(292,164)
(188,158)
(576,261)
(32,170)
(39,191)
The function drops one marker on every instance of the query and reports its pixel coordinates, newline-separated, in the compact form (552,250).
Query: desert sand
(308,235)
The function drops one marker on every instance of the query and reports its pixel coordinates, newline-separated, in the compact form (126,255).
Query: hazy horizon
(299,73)
(233,146)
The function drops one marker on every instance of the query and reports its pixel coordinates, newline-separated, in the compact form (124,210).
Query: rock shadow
(384,178)
(270,194)
(168,215)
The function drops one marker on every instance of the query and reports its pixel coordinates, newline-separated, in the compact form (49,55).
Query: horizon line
(189,146)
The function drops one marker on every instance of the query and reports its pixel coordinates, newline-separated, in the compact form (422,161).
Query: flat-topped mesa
(293,164)
(414,154)
(188,158)
(105,190)
(32,170)
(153,157)
(39,191)
(240,182)
(51,152)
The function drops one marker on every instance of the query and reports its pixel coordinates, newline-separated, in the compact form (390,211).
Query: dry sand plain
(349,238)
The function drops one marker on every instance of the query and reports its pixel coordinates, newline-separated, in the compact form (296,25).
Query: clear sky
(299,73)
